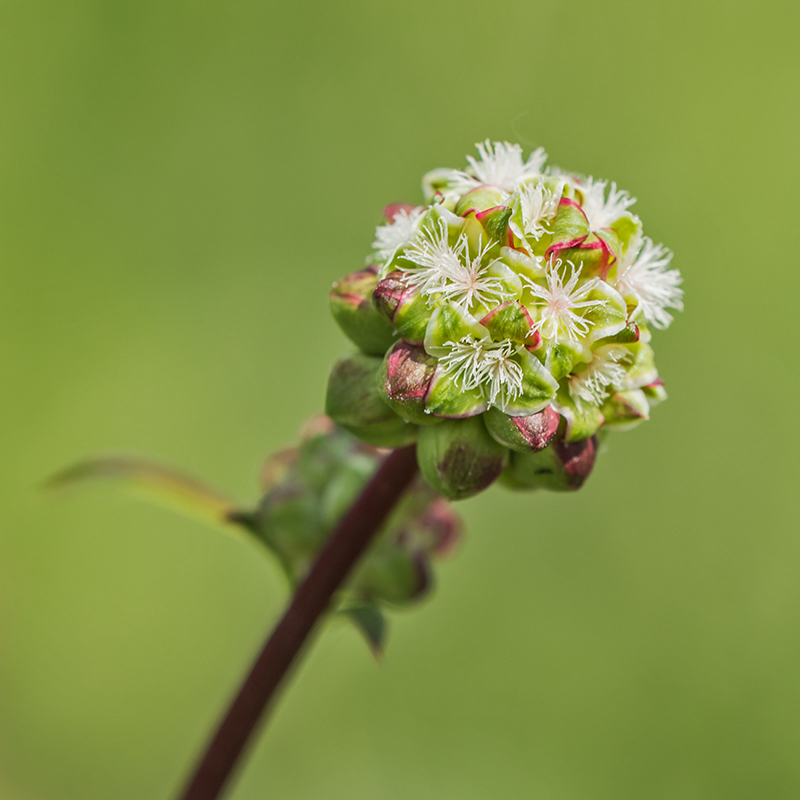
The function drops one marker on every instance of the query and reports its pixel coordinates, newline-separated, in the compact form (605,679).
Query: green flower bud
(459,458)
(561,467)
(530,290)
(355,402)
(361,322)
(310,488)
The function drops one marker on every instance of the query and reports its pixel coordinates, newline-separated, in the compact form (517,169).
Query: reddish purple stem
(331,568)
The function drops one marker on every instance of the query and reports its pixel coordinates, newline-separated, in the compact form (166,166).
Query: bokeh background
(180,183)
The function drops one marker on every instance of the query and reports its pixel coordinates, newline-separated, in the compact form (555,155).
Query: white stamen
(604,370)
(644,274)
(563,304)
(398,233)
(500,165)
(600,210)
(539,205)
(450,271)
(483,363)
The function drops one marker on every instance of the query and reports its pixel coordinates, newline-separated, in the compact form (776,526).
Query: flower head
(512,310)
(644,274)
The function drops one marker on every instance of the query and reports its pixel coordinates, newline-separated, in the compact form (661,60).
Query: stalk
(311,600)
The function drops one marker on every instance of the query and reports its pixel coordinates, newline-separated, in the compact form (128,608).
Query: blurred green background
(180,184)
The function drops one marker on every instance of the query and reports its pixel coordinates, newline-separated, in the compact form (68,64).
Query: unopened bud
(354,402)
(353,310)
(459,458)
(388,292)
(523,434)
(561,467)
(405,378)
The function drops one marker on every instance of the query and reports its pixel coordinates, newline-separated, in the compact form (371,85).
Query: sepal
(523,434)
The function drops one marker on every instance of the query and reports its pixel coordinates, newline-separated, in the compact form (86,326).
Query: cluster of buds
(309,488)
(503,324)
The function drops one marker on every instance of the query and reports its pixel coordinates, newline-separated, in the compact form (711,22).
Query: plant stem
(333,564)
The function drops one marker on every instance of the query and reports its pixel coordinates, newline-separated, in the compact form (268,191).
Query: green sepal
(459,458)
(523,434)
(355,313)
(609,318)
(522,264)
(435,181)
(590,257)
(495,222)
(582,418)
(623,411)
(538,387)
(563,356)
(479,199)
(508,278)
(626,228)
(455,224)
(628,335)
(569,226)
(655,393)
(450,323)
(411,316)
(641,368)
(447,398)
(354,402)
(510,321)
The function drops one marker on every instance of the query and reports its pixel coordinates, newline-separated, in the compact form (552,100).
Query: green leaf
(371,623)
(164,485)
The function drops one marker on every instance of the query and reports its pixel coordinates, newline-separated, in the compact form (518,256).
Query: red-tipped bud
(353,310)
(561,467)
(388,292)
(405,378)
(523,434)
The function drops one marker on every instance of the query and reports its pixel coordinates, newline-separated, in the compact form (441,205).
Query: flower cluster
(512,311)
(309,488)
